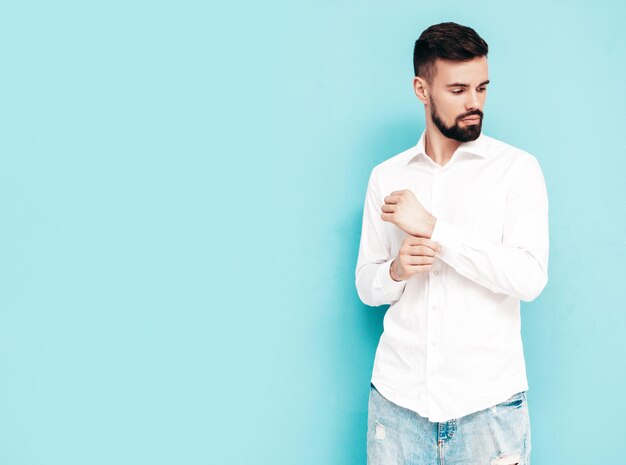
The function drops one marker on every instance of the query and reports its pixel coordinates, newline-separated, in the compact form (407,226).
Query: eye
(458,91)
(482,89)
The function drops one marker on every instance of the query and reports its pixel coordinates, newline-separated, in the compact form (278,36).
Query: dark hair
(447,41)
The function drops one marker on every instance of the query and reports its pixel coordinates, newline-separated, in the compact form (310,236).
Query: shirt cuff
(450,238)
(385,282)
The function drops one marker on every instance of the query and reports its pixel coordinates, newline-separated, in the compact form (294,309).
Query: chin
(470,136)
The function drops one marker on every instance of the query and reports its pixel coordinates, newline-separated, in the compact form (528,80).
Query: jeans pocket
(513,402)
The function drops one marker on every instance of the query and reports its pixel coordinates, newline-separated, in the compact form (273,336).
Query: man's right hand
(416,255)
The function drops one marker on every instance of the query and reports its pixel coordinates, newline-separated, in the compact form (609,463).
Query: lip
(472,119)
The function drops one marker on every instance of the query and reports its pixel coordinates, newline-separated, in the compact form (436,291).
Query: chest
(472,197)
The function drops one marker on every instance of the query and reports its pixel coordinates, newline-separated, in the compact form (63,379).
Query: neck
(438,147)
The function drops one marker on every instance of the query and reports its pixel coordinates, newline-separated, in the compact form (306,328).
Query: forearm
(519,271)
(375,284)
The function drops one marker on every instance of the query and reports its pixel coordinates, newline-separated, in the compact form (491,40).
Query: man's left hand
(404,210)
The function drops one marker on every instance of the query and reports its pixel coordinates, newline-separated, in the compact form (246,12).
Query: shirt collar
(476,147)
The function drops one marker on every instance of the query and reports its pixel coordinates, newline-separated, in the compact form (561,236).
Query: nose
(473,100)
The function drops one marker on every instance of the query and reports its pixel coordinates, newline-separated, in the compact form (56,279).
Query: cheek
(450,108)
(453,113)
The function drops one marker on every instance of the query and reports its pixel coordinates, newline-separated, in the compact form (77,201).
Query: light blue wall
(181,190)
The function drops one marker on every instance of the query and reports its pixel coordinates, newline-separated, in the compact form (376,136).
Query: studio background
(181,190)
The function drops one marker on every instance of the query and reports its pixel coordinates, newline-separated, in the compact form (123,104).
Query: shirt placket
(433,318)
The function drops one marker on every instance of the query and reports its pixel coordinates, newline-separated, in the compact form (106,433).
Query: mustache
(471,113)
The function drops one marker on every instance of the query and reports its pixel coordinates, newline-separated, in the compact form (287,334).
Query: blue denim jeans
(499,435)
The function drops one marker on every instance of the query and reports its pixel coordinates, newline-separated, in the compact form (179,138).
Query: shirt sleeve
(519,265)
(374,284)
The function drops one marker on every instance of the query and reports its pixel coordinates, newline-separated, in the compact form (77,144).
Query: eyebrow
(458,84)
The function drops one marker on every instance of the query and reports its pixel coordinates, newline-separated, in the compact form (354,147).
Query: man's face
(459,91)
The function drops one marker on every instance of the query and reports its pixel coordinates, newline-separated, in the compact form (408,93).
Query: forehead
(470,72)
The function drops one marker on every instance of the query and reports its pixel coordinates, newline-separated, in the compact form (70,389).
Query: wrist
(429,226)
(392,271)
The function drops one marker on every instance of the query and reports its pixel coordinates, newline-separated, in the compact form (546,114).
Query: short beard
(456,132)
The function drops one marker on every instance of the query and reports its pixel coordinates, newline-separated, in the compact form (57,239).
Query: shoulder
(519,169)
(518,164)
(515,158)
(391,167)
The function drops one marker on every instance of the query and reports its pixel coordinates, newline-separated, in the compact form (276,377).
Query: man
(455,234)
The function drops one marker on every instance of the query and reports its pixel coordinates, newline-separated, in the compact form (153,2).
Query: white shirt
(452,342)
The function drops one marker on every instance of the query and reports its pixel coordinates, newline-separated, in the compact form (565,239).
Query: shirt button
(434,343)
(434,307)
(436,271)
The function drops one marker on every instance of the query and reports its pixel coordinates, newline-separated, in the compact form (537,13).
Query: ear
(421,90)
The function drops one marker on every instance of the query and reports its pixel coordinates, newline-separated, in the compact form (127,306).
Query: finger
(398,192)
(434,245)
(415,240)
(420,260)
(392,199)
(423,250)
(388,208)
(386,217)
(420,268)
(419,250)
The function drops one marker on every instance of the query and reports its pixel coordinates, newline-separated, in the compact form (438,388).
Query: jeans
(499,435)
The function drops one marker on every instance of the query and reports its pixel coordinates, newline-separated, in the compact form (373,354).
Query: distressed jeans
(499,435)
